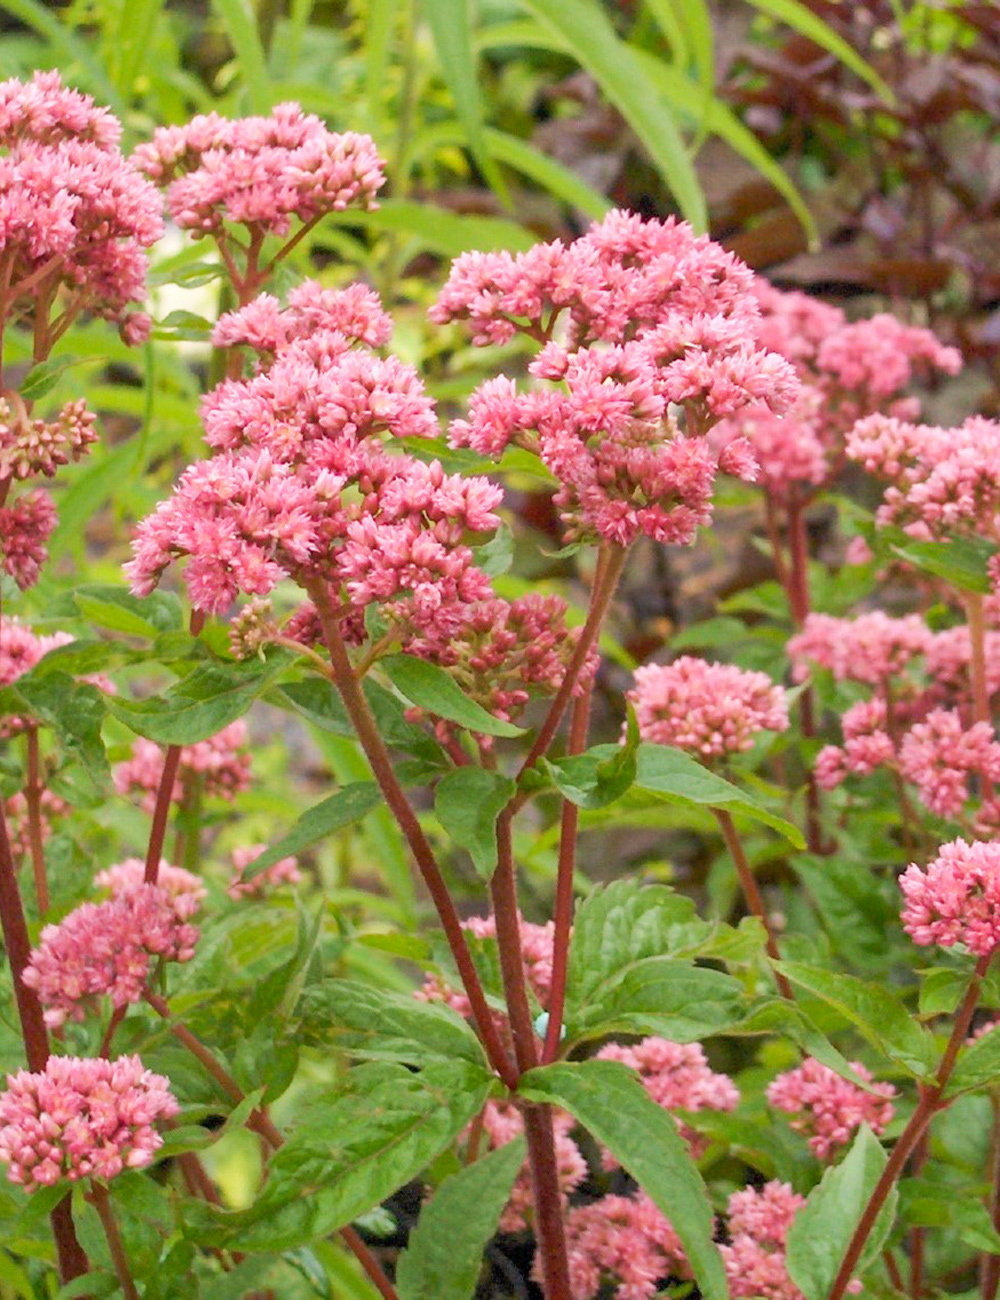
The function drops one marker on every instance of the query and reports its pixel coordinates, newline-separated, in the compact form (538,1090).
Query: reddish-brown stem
(101,1202)
(774,537)
(538,1130)
(198,1181)
(475,1138)
(117,1016)
(918,1235)
(569,825)
(33,800)
(72,1260)
(261,1123)
(929,1102)
(751,893)
(798,597)
(161,813)
(892,1268)
(378,757)
(977,657)
(611,562)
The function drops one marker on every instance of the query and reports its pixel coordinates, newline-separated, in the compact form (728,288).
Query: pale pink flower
(710,709)
(624,1242)
(536,953)
(829,1109)
(759,1220)
(184,890)
(220,765)
(955,899)
(15,809)
(870,648)
(21,649)
(283,872)
(81,1118)
(354,313)
(678,1077)
(939,755)
(502,1123)
(107,949)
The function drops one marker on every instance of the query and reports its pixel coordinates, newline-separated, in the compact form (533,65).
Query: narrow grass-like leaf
(135,31)
(794,14)
(73,52)
(240,22)
(439,230)
(586,30)
(380,27)
(341,809)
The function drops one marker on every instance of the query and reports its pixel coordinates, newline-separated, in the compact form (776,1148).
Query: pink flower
(710,709)
(81,1118)
(283,872)
(939,754)
(259,171)
(354,313)
(29,447)
(829,1109)
(677,1076)
(502,1123)
(184,890)
(107,950)
(955,899)
(21,649)
(25,527)
(759,1220)
(536,952)
(220,765)
(870,648)
(623,1241)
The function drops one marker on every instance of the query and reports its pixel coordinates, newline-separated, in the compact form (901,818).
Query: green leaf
(610,1102)
(496,556)
(601,775)
(556,178)
(978,1065)
(961,562)
(74,710)
(444,1256)
(381,1025)
(348,805)
(822,1230)
(41,379)
(932,1203)
(797,15)
(674,774)
(430,687)
(354,1145)
(73,53)
(450,22)
(200,704)
(467,803)
(135,30)
(380,25)
(438,229)
(585,29)
(240,22)
(878,1014)
(116,609)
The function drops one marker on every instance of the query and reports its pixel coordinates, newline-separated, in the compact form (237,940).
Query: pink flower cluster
(221,765)
(15,810)
(25,527)
(955,899)
(651,318)
(21,649)
(81,1118)
(259,171)
(759,1220)
(283,872)
(502,1123)
(710,709)
(107,949)
(941,481)
(302,485)
(624,1241)
(503,651)
(29,447)
(267,328)
(73,212)
(536,952)
(870,648)
(829,1109)
(847,369)
(678,1077)
(183,889)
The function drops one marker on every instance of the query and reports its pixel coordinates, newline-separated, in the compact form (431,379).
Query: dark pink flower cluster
(74,213)
(759,1220)
(710,709)
(81,1118)
(283,872)
(503,651)
(955,899)
(847,369)
(678,1077)
(303,486)
(107,949)
(829,1109)
(260,171)
(25,527)
(29,447)
(624,1242)
(220,765)
(941,481)
(502,1123)
(652,321)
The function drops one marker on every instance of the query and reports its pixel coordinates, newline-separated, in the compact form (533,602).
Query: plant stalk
(101,1202)
(33,800)
(751,893)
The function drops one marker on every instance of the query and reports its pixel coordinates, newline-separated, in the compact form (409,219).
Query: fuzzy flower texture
(829,1109)
(81,1118)
(956,898)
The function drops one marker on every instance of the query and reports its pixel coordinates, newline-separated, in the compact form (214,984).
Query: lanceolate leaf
(610,1102)
(799,16)
(444,1255)
(430,687)
(341,809)
(467,802)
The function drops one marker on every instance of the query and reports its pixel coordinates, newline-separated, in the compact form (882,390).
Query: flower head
(220,765)
(25,526)
(502,1123)
(624,1240)
(80,1118)
(759,1220)
(283,872)
(829,1109)
(955,899)
(709,709)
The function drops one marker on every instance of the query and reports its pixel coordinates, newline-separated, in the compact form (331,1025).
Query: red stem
(930,1101)
(102,1204)
(381,764)
(161,813)
(33,800)
(752,893)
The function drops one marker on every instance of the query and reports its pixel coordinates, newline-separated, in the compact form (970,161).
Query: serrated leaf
(600,775)
(978,1065)
(443,1258)
(430,687)
(467,803)
(822,1229)
(678,777)
(610,1102)
(961,561)
(381,1025)
(74,710)
(332,814)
